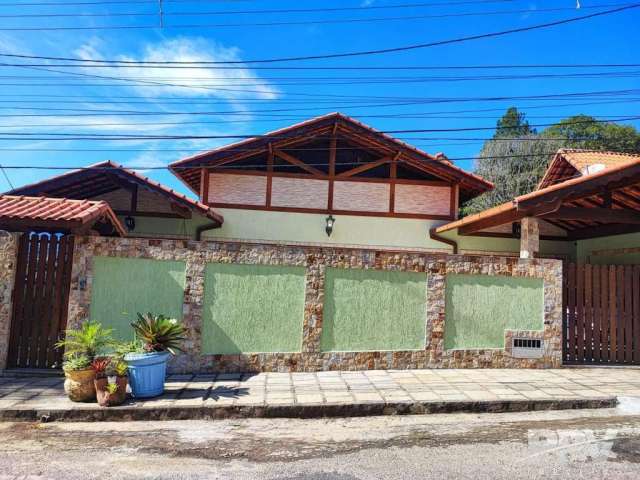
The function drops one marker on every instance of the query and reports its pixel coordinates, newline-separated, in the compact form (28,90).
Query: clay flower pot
(106,399)
(79,385)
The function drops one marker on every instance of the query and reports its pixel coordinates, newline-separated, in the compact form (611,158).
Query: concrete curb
(140,413)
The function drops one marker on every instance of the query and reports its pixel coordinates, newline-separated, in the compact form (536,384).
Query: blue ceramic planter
(147,372)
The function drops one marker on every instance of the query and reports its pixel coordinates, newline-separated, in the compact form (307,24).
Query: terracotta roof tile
(56,210)
(584,158)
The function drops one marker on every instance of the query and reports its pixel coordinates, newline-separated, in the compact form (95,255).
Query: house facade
(330,245)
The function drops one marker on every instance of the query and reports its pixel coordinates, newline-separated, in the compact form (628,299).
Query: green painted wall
(369,310)
(252,308)
(479,308)
(309,228)
(159,226)
(630,240)
(122,287)
(509,245)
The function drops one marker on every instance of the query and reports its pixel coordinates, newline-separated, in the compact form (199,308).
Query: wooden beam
(270,162)
(299,163)
(595,215)
(204,185)
(365,167)
(134,199)
(509,216)
(393,174)
(180,210)
(603,231)
(333,151)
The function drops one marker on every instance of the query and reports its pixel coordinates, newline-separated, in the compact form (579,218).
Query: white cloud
(185,81)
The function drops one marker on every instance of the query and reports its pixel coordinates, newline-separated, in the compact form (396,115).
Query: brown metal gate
(40,299)
(601,314)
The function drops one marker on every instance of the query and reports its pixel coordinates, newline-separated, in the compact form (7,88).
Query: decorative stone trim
(8,261)
(316,260)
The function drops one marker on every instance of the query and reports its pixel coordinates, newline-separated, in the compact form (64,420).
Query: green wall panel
(122,287)
(369,310)
(252,309)
(479,308)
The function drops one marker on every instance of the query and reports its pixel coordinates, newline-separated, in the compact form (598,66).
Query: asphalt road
(568,444)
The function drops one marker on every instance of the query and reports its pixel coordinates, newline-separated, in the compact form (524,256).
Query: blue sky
(242,101)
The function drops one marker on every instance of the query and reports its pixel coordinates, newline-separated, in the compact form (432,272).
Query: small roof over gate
(77,216)
(599,204)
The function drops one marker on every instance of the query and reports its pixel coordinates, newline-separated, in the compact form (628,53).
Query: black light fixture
(329,227)
(130,223)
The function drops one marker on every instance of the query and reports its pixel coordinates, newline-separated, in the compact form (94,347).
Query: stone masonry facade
(315,260)
(8,260)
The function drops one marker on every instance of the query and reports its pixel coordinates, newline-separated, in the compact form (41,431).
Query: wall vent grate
(527,348)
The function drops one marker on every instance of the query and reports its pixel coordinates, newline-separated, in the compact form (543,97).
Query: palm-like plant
(159,333)
(89,340)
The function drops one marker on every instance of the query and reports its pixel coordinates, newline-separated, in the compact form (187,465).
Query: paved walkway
(337,393)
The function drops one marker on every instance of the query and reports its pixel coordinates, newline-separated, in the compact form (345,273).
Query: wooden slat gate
(40,299)
(601,323)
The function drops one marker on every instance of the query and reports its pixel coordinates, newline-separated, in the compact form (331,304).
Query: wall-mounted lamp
(130,223)
(329,227)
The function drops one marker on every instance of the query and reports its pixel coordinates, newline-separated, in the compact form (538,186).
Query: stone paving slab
(321,394)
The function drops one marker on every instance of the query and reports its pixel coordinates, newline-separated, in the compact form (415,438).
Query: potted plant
(110,381)
(80,348)
(158,337)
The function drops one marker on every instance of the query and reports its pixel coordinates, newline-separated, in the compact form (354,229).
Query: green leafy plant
(76,362)
(159,333)
(111,388)
(89,340)
(120,368)
(134,346)
(100,365)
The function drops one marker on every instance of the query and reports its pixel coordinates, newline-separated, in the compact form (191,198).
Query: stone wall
(316,260)
(8,260)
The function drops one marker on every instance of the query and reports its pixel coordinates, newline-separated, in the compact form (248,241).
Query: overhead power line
(155,2)
(203,65)
(353,53)
(180,167)
(137,137)
(309,21)
(7,177)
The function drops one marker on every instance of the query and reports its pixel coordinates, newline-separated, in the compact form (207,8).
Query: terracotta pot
(79,385)
(106,399)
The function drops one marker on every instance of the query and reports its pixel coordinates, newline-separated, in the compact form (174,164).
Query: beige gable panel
(361,196)
(299,192)
(422,199)
(237,189)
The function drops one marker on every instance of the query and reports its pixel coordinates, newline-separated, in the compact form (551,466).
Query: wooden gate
(40,299)
(601,314)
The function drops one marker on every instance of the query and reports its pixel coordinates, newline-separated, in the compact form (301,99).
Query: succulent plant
(159,333)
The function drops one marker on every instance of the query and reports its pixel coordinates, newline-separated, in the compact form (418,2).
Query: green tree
(584,131)
(515,163)
(512,124)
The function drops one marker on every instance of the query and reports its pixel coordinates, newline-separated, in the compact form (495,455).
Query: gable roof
(189,169)
(569,163)
(578,193)
(103,177)
(59,213)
